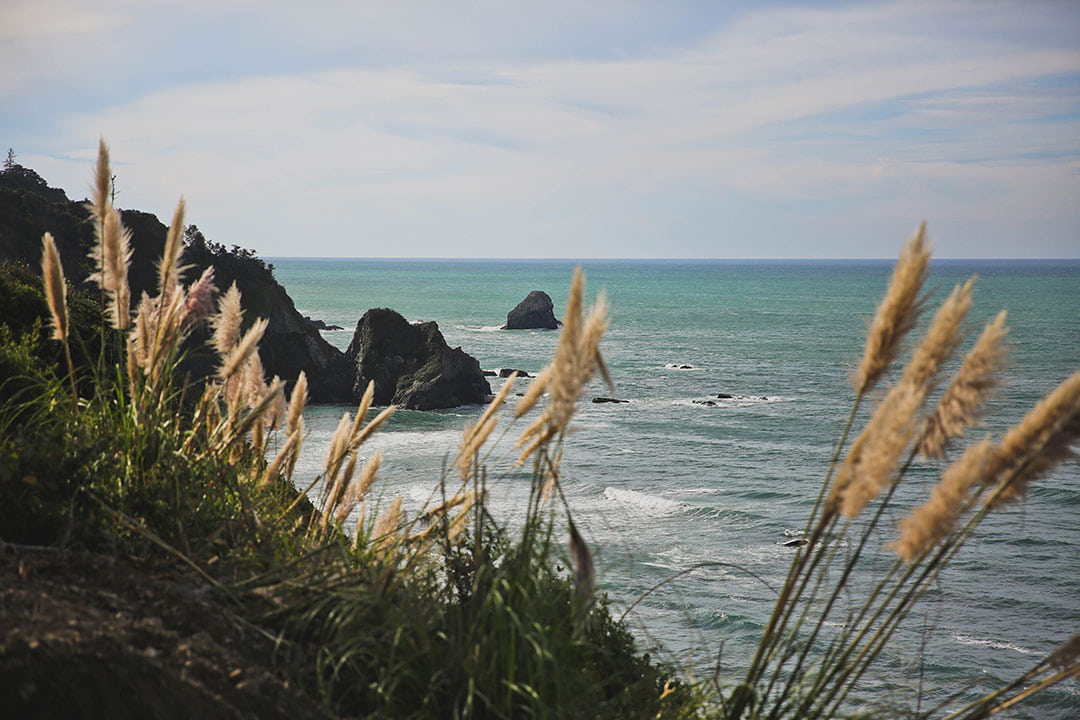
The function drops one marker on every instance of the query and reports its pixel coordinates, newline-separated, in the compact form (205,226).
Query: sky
(566,129)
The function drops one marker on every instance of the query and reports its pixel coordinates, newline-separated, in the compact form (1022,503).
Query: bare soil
(91,636)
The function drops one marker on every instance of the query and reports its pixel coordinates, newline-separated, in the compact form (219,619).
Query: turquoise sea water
(662,483)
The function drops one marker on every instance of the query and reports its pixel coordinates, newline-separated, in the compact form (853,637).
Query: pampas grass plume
(869,466)
(927,524)
(1039,442)
(200,298)
(534,392)
(297,402)
(169,266)
(227,322)
(941,339)
(897,312)
(962,403)
(55,288)
(385,532)
(242,352)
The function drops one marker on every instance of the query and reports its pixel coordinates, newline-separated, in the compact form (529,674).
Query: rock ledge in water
(411,365)
(535,312)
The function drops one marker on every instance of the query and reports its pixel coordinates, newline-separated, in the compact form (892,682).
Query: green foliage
(132,458)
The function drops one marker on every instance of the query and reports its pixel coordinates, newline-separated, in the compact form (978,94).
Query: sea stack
(412,365)
(535,312)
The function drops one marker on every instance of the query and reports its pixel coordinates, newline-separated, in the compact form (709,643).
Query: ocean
(662,483)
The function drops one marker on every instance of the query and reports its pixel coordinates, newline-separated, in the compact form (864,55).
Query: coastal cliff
(292,343)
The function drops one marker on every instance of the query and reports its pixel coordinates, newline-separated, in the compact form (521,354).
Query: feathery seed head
(897,312)
(55,288)
(929,523)
(297,402)
(248,345)
(869,466)
(227,322)
(1038,443)
(102,182)
(169,266)
(200,298)
(385,533)
(533,393)
(942,338)
(963,402)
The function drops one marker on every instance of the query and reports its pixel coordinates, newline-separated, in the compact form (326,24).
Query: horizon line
(431,258)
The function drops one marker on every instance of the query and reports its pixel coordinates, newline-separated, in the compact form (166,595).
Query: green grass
(444,611)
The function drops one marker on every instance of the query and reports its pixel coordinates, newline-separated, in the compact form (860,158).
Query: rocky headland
(412,365)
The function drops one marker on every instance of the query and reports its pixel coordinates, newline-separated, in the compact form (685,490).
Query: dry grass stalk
(429,519)
(362,409)
(112,257)
(169,269)
(963,401)
(1035,446)
(941,339)
(1067,655)
(534,392)
(928,524)
(200,299)
(359,487)
(227,322)
(474,439)
(385,533)
(873,458)
(494,405)
(565,366)
(55,288)
(335,454)
(102,184)
(242,352)
(576,360)
(294,417)
(281,460)
(584,569)
(373,426)
(896,314)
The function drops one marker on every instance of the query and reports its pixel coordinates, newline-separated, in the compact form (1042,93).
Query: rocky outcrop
(322,325)
(29,208)
(411,365)
(535,312)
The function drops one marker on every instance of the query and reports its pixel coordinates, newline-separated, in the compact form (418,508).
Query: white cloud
(763,118)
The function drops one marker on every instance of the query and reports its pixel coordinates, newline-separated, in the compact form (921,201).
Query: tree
(9,161)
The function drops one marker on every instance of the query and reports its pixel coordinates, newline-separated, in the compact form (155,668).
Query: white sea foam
(640,500)
(996,644)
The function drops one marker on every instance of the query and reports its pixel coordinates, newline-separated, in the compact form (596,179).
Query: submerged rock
(322,325)
(601,400)
(535,312)
(411,365)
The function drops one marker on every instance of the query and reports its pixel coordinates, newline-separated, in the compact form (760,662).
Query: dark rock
(724,396)
(411,365)
(507,372)
(490,373)
(797,542)
(28,208)
(320,325)
(706,403)
(535,312)
(608,400)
